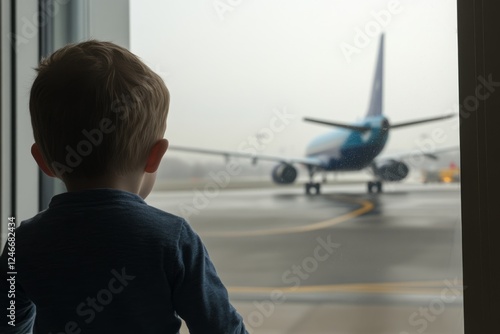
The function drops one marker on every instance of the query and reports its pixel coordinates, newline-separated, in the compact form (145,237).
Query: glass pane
(243,76)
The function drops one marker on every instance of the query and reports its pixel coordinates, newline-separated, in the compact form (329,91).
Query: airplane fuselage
(345,150)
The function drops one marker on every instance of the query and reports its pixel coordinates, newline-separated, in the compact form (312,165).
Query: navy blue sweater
(103,261)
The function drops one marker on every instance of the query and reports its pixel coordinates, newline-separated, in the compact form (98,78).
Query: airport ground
(342,262)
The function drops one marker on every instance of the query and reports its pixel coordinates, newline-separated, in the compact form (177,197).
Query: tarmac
(340,262)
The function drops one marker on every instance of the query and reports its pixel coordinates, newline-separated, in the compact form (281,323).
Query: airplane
(353,147)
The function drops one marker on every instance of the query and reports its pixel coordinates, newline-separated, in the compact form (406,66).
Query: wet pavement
(340,262)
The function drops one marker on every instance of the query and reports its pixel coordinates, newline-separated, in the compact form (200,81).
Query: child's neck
(130,182)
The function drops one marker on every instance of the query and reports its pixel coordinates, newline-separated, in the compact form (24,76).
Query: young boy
(99,259)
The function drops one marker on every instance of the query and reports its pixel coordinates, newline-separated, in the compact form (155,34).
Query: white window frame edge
(6,131)
(26,174)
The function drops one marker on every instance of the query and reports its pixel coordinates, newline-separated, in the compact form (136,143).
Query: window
(298,263)
(477,29)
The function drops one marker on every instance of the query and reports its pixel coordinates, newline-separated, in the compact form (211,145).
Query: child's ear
(155,155)
(37,155)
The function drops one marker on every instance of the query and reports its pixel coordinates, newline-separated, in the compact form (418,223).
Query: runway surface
(340,262)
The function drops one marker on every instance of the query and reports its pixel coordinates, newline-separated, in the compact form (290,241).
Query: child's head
(96,110)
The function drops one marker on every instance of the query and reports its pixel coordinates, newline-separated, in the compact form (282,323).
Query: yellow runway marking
(366,206)
(424,287)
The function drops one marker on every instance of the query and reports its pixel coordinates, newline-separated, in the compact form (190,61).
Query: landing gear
(377,186)
(316,186)
(310,185)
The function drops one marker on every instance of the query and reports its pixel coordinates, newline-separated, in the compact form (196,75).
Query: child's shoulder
(166,220)
(102,211)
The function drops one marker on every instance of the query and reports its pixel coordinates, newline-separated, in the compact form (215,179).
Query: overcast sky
(231,64)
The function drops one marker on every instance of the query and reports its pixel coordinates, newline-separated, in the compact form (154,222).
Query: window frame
(478,29)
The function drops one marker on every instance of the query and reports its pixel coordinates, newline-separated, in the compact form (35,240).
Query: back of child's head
(96,109)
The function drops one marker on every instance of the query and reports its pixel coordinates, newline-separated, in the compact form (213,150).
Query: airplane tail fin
(375,107)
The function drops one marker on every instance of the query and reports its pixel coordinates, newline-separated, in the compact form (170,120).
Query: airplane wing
(254,157)
(420,121)
(431,154)
(340,125)
(363,129)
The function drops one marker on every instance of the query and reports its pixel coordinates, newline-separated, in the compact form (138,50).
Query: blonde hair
(96,108)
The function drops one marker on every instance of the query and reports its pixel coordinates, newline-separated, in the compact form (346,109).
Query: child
(99,259)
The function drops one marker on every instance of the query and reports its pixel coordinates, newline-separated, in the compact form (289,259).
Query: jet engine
(392,170)
(284,174)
